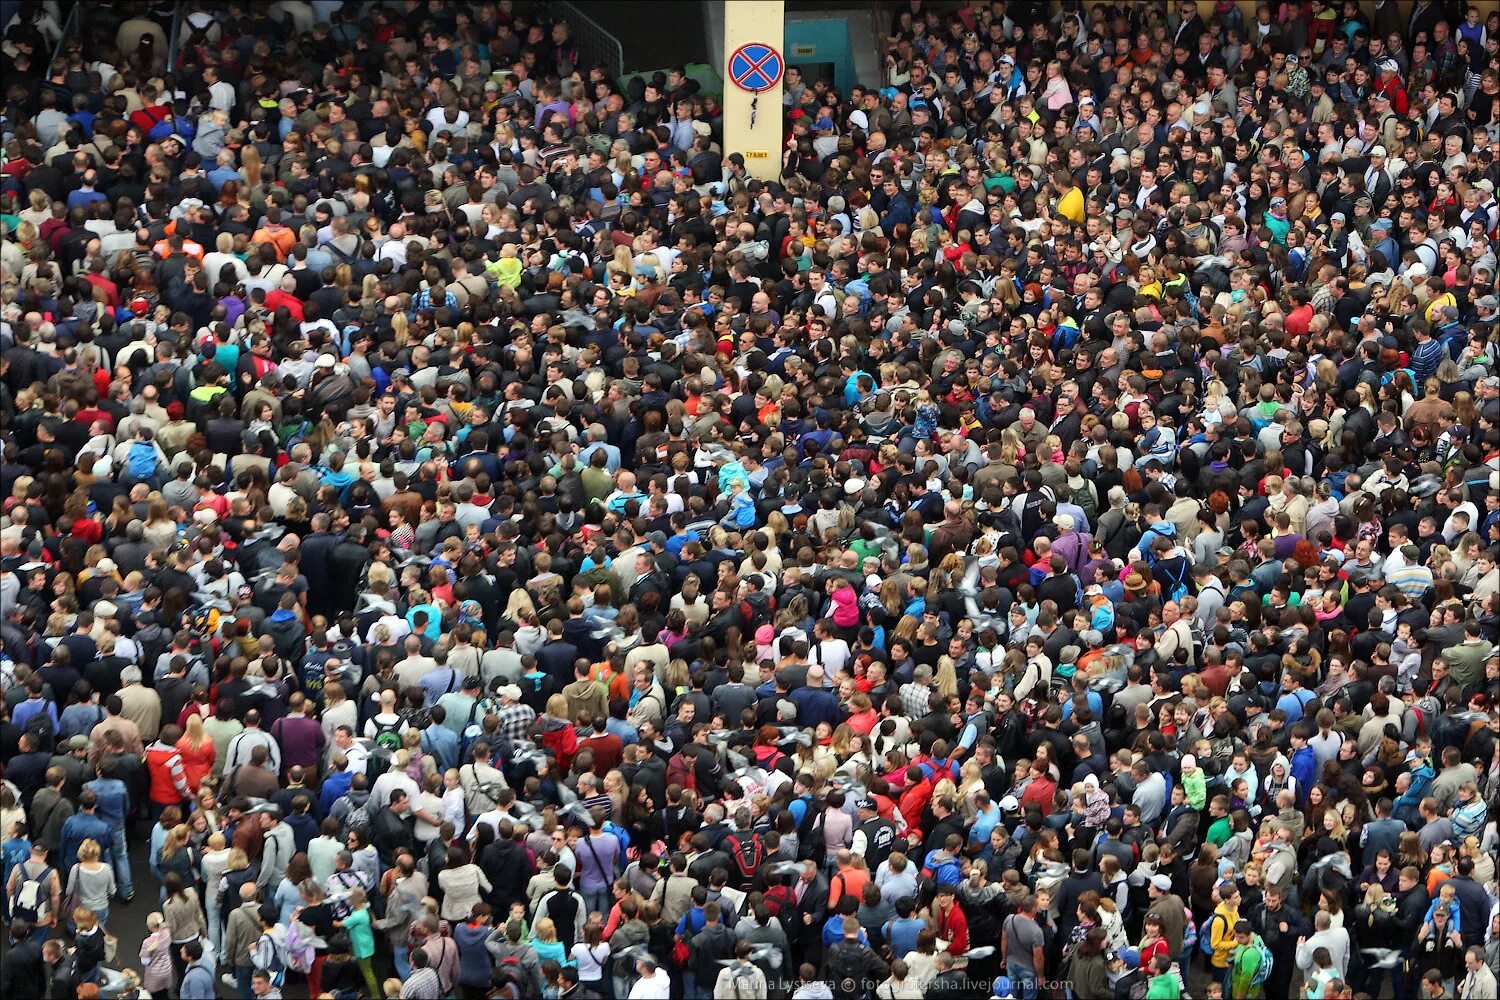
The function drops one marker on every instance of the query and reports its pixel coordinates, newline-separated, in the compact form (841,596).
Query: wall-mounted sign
(755,66)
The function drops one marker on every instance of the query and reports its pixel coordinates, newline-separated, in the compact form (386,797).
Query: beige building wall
(753,21)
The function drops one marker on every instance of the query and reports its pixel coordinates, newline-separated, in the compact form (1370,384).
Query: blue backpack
(1206,935)
(141,460)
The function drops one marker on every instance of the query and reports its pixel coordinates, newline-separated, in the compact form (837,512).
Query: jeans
(120,855)
(242,974)
(597,899)
(215,921)
(402,958)
(1022,980)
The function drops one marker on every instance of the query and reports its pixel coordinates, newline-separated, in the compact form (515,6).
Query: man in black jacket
(1083,878)
(391,828)
(505,864)
(853,968)
(710,946)
(1279,926)
(21,973)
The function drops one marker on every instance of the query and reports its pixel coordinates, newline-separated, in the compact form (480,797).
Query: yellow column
(747,21)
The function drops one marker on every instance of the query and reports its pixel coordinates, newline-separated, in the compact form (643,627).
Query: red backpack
(747,855)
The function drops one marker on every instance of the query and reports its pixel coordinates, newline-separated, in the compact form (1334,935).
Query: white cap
(1162,882)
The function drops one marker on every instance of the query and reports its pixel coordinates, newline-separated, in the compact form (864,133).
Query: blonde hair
(88,850)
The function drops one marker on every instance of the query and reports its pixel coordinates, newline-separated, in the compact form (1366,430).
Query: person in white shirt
(1325,935)
(830,652)
(654,983)
(396,777)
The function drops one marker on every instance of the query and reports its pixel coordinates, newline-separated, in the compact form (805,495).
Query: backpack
(1189,933)
(269,953)
(388,735)
(140,460)
(39,728)
(811,847)
(358,820)
(681,772)
(33,903)
(747,855)
(379,761)
(846,970)
(339,885)
(1206,935)
(943,872)
(480,793)
(510,973)
(1263,973)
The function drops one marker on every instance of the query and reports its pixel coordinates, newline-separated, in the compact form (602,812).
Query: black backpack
(810,832)
(39,728)
(846,969)
(748,853)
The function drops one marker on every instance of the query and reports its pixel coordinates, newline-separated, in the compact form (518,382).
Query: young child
(518,916)
(156,955)
(1447,896)
(453,799)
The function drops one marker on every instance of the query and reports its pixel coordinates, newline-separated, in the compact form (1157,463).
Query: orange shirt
(280,237)
(847,882)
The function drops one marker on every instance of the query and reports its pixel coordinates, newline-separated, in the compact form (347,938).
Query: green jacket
(1164,987)
(1244,962)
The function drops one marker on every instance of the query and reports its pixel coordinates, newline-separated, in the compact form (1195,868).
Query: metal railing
(68,27)
(595,44)
(174,42)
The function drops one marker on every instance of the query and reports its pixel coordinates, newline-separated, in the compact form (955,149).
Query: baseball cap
(511,691)
(1162,882)
(868,803)
(1488,302)
(472,681)
(657,538)
(1377,151)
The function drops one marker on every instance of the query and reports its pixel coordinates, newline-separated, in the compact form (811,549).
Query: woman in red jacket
(197,752)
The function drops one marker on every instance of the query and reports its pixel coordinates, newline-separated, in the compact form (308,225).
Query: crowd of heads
(461,522)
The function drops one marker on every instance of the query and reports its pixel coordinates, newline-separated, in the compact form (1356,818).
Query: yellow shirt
(1438,302)
(1070,205)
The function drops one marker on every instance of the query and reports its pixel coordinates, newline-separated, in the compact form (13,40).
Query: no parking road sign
(756,66)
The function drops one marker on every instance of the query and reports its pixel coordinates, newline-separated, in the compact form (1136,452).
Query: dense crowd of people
(463,534)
